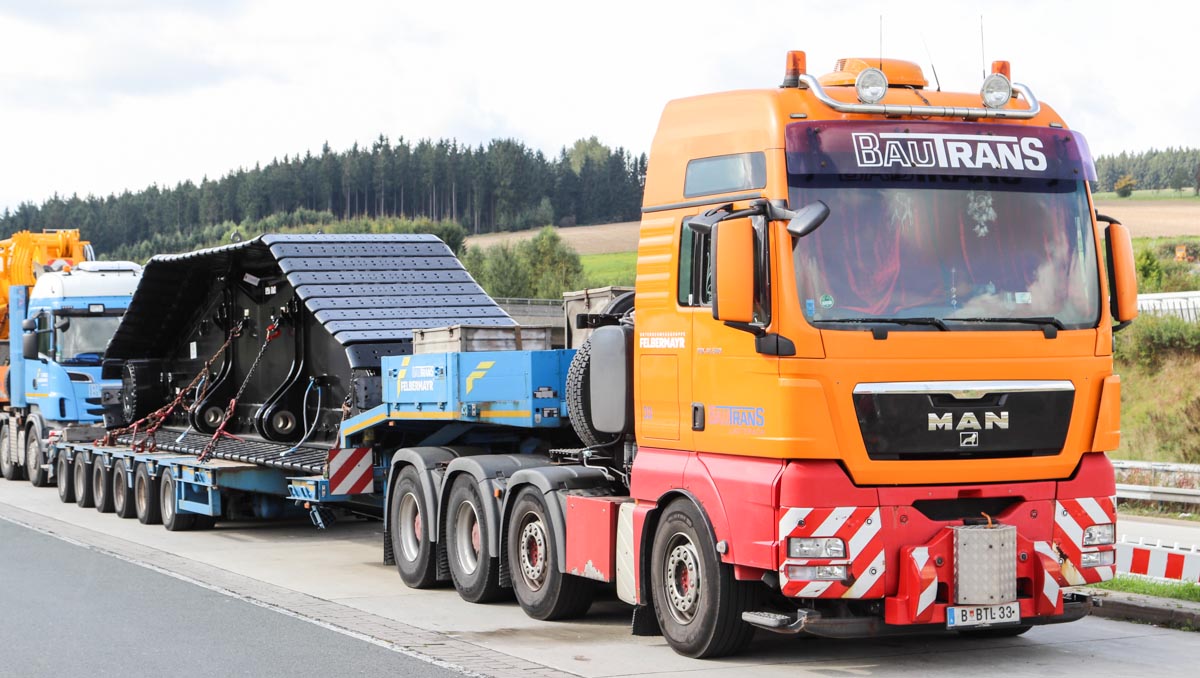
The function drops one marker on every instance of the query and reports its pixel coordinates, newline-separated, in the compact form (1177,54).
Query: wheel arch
(551,482)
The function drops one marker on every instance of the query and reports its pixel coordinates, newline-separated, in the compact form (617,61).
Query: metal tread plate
(306,459)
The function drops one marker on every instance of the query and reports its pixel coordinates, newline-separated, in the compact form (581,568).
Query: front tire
(122,494)
(474,569)
(35,457)
(83,483)
(64,472)
(697,601)
(541,589)
(409,520)
(145,496)
(10,469)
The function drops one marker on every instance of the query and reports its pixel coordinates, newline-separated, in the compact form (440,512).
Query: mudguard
(551,481)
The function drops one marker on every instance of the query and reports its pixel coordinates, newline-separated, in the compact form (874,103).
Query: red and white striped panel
(1052,574)
(929,581)
(351,471)
(1159,561)
(859,527)
(1071,517)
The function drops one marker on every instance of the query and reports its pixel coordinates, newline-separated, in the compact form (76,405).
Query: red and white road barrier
(1162,562)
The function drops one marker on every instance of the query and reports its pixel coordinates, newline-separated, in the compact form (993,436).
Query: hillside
(1145,218)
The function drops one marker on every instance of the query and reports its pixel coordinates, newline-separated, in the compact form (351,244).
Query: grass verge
(1148,587)
(614,268)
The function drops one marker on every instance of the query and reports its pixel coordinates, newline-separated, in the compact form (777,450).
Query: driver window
(45,333)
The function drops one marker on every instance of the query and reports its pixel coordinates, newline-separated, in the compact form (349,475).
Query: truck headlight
(816,547)
(817,572)
(1097,559)
(1100,535)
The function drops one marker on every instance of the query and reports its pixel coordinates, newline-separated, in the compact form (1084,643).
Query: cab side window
(695,269)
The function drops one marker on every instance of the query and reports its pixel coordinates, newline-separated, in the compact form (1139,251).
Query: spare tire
(579,398)
(141,388)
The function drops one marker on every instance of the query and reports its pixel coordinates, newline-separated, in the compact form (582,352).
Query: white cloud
(103,98)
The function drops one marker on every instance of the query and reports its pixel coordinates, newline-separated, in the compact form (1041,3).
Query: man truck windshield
(943,227)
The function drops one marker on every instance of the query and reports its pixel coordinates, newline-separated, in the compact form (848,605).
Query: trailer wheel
(102,492)
(35,457)
(172,519)
(122,494)
(11,470)
(83,483)
(697,601)
(145,496)
(65,475)
(409,521)
(541,589)
(475,571)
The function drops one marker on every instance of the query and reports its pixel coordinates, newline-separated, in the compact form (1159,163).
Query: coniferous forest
(501,186)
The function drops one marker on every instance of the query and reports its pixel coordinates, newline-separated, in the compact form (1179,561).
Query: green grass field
(615,268)
(1151,194)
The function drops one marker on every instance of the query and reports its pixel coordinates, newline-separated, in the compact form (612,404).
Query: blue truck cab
(53,382)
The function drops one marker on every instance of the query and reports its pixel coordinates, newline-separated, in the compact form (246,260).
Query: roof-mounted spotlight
(871,84)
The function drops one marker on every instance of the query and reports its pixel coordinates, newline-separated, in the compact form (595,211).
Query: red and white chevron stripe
(1071,517)
(1162,562)
(351,471)
(859,527)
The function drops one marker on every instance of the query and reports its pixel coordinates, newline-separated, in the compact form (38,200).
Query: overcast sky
(100,97)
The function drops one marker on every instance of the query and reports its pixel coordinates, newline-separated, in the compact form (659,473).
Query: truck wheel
(172,519)
(122,493)
(697,601)
(102,494)
(11,470)
(409,521)
(83,483)
(475,571)
(64,472)
(542,590)
(35,456)
(145,496)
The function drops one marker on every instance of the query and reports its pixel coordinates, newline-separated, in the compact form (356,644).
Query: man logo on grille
(968,438)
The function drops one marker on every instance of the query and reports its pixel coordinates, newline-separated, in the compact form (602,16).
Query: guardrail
(1158,481)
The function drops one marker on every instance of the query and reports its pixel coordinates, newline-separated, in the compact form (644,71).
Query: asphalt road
(336,576)
(113,618)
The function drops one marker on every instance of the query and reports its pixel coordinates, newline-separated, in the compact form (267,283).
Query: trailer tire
(64,473)
(541,589)
(83,483)
(102,487)
(122,494)
(145,496)
(697,601)
(35,457)
(409,521)
(172,519)
(11,470)
(475,571)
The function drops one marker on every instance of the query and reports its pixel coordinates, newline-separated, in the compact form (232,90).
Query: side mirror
(62,322)
(1121,271)
(732,255)
(807,219)
(29,345)
(29,324)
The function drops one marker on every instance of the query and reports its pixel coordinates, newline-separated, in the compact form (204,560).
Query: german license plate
(965,616)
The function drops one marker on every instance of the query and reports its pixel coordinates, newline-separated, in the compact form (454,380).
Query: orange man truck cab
(873,361)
